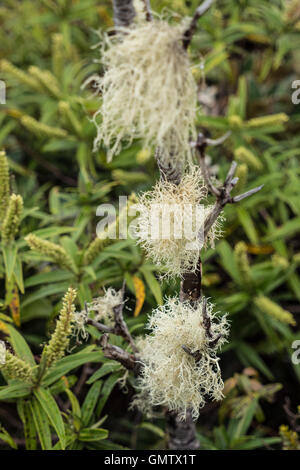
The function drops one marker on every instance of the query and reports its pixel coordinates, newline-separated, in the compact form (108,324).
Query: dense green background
(251,51)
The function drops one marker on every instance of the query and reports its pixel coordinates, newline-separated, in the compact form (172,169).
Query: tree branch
(147,10)
(124,12)
(115,353)
(189,33)
(223,194)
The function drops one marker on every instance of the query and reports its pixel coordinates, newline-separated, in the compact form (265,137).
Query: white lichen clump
(170,376)
(100,309)
(148,91)
(170,226)
(2,352)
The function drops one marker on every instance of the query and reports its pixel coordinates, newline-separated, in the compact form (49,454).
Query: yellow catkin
(47,79)
(271,120)
(42,130)
(12,218)
(143,156)
(51,250)
(274,310)
(244,155)
(97,245)
(290,439)
(20,75)
(16,368)
(57,54)
(280,261)
(60,338)
(4,185)
(241,259)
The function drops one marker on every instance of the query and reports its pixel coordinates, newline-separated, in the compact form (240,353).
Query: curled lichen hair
(171,377)
(170,226)
(148,90)
(100,309)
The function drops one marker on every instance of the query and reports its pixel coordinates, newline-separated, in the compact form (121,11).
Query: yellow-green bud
(51,250)
(143,156)
(279,261)
(57,54)
(47,79)
(274,310)
(271,120)
(241,259)
(16,368)
(97,245)
(60,339)
(20,75)
(4,186)
(244,155)
(42,130)
(290,439)
(12,218)
(235,121)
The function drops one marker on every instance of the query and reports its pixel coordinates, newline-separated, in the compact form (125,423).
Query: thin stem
(189,33)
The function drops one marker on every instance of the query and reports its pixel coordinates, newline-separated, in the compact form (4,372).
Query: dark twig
(168,172)
(147,9)
(223,193)
(124,12)
(181,434)
(189,33)
(196,354)
(117,354)
(120,328)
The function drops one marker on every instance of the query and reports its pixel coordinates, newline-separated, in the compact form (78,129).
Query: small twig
(147,10)
(189,33)
(117,354)
(100,326)
(124,12)
(223,193)
(206,319)
(121,327)
(196,354)
(168,172)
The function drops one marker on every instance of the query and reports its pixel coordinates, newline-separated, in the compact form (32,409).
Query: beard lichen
(170,226)
(148,91)
(170,377)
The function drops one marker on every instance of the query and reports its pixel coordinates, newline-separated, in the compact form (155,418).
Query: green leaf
(41,424)
(9,256)
(6,437)
(88,435)
(249,356)
(65,365)
(245,422)
(107,389)
(248,225)
(20,346)
(52,411)
(90,402)
(18,273)
(153,284)
(10,392)
(24,411)
(107,368)
(290,228)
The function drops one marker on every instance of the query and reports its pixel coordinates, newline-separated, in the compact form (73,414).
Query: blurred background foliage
(246,56)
